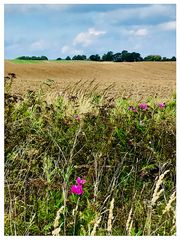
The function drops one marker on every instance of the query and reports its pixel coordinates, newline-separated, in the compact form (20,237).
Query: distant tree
(59,58)
(24,58)
(68,58)
(83,57)
(165,59)
(21,58)
(95,57)
(32,58)
(125,55)
(130,57)
(117,57)
(173,58)
(44,58)
(157,58)
(79,57)
(108,56)
(153,58)
(136,57)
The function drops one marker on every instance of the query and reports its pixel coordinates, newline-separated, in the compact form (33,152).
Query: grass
(127,159)
(19,61)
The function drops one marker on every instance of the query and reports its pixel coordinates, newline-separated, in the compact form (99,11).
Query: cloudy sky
(62,30)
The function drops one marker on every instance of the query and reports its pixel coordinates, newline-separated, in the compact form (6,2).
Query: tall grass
(120,153)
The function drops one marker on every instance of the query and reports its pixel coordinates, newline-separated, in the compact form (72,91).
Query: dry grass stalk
(129,223)
(110,218)
(157,194)
(57,229)
(97,222)
(168,206)
(155,197)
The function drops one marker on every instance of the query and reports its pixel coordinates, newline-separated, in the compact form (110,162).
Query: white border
(177,2)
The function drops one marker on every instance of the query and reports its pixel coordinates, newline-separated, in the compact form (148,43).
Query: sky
(60,30)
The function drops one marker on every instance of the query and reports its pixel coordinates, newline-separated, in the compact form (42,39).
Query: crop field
(91,149)
(138,79)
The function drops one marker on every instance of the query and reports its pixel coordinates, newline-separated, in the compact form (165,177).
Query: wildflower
(132,108)
(80,182)
(130,142)
(77,117)
(77,189)
(162,105)
(143,106)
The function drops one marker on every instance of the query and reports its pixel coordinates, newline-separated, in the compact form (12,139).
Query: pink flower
(143,106)
(77,189)
(162,105)
(80,182)
(132,108)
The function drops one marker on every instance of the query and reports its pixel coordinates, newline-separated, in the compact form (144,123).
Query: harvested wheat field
(138,79)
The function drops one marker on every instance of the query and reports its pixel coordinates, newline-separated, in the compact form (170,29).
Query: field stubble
(138,80)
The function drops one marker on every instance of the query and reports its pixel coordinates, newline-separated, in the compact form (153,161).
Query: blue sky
(62,30)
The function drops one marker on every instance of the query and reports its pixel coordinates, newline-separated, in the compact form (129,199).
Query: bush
(153,58)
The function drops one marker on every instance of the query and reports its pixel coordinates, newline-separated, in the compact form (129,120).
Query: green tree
(117,57)
(95,57)
(108,56)
(79,57)
(153,58)
(68,58)
(173,58)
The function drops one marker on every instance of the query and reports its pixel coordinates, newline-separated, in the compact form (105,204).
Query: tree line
(123,56)
(32,58)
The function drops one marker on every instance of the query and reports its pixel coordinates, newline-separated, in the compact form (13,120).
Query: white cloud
(141,32)
(38,45)
(70,50)
(167,26)
(86,38)
(142,13)
(65,49)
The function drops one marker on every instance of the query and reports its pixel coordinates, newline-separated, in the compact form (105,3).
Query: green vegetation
(123,56)
(126,152)
(32,58)
(19,61)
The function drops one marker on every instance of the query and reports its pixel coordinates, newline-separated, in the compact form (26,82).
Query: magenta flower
(80,182)
(78,189)
(132,108)
(143,106)
(162,105)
